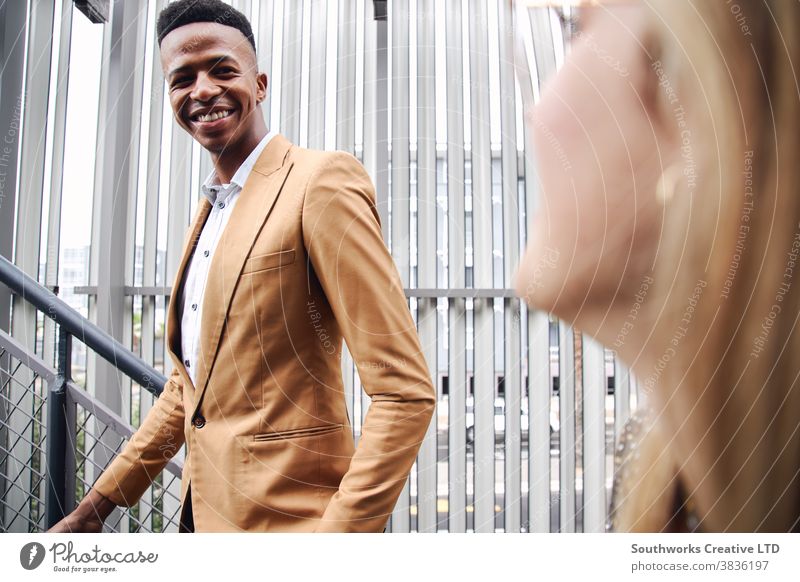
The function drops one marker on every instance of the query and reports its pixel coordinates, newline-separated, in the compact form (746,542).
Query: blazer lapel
(252,209)
(174,310)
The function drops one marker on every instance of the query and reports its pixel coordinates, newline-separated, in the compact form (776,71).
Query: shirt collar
(211,186)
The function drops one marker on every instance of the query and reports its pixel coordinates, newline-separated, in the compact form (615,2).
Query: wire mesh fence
(94,436)
(22,442)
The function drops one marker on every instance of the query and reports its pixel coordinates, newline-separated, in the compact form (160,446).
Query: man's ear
(261,91)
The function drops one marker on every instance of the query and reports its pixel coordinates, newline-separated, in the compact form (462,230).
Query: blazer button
(199,421)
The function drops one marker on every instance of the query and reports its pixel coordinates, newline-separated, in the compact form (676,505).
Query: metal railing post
(57,434)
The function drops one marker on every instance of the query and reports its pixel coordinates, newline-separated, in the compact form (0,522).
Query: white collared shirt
(223,198)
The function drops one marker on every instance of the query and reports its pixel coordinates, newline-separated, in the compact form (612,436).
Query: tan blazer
(300,266)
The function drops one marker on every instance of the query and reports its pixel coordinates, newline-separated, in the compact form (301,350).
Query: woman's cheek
(554,160)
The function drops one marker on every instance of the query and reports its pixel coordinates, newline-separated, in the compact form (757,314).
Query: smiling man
(283,261)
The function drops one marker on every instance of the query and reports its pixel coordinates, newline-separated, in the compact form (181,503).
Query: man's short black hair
(184,12)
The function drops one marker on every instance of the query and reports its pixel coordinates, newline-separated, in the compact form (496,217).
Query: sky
(81,131)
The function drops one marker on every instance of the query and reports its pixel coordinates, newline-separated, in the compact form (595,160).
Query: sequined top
(627,472)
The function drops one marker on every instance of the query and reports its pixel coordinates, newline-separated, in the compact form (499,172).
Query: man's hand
(88,517)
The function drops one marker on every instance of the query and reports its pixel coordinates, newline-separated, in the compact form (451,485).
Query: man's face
(213,83)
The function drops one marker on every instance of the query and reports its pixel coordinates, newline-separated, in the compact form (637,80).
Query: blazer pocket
(297,433)
(268,261)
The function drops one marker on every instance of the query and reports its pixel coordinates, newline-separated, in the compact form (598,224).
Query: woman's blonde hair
(725,391)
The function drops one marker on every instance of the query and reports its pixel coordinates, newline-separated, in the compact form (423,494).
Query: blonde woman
(667,149)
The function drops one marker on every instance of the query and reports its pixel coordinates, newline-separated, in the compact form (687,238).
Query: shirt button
(220,205)
(194,306)
(186,363)
(205,253)
(199,421)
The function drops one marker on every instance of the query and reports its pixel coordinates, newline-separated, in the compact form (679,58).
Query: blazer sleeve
(342,234)
(148,451)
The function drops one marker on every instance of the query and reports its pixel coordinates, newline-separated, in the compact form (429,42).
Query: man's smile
(210,118)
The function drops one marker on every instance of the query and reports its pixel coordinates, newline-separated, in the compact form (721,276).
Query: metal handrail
(78,326)
(60,412)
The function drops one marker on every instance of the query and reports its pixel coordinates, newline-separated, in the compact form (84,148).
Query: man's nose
(204,88)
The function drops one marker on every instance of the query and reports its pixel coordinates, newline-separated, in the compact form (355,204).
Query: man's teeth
(213,116)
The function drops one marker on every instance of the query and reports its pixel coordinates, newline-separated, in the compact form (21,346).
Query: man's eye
(180,81)
(223,70)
